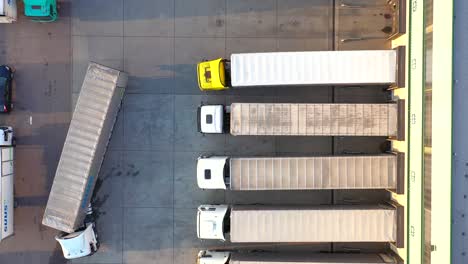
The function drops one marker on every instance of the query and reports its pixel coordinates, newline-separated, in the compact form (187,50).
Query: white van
(7,180)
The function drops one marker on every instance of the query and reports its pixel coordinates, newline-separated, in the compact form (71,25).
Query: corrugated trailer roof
(315,68)
(306,173)
(363,223)
(318,258)
(318,119)
(84,147)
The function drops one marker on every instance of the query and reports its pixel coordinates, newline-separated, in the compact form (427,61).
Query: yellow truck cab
(212,75)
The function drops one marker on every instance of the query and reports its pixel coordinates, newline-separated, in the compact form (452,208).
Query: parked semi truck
(82,155)
(357,67)
(291,119)
(8,11)
(302,173)
(41,10)
(227,257)
(268,224)
(7,179)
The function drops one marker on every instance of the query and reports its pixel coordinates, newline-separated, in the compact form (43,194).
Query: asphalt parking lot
(147,194)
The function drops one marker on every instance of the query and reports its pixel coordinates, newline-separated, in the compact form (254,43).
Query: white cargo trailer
(268,224)
(226,257)
(352,67)
(82,155)
(7,181)
(8,11)
(302,173)
(288,119)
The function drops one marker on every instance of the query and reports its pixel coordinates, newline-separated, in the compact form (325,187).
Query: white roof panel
(250,224)
(314,68)
(309,173)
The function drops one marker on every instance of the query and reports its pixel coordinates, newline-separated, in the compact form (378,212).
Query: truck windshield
(227,222)
(227,180)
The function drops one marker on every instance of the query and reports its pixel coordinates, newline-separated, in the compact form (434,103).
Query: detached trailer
(8,11)
(226,257)
(270,119)
(302,173)
(270,224)
(7,180)
(356,67)
(82,155)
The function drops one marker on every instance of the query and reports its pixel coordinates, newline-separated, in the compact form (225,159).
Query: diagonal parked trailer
(82,155)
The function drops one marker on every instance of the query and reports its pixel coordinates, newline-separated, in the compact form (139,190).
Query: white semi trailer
(302,173)
(288,119)
(82,155)
(7,180)
(352,67)
(226,257)
(281,224)
(8,11)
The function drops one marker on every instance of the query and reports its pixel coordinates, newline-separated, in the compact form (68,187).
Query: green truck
(41,10)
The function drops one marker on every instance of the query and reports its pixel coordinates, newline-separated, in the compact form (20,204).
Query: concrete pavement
(147,194)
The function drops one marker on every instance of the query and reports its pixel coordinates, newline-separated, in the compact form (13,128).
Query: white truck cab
(213,257)
(78,244)
(6,181)
(212,172)
(212,221)
(211,119)
(6,136)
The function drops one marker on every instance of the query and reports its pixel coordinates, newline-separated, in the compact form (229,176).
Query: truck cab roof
(6,136)
(41,10)
(210,119)
(78,244)
(212,75)
(210,221)
(213,257)
(211,172)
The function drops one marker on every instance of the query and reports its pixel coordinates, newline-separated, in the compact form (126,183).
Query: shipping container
(84,148)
